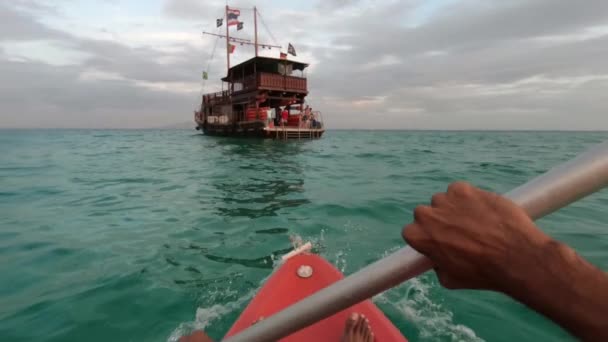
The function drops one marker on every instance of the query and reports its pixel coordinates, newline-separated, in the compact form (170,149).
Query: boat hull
(259,130)
(285,287)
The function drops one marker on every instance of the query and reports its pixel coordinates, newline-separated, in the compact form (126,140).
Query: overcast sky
(432,64)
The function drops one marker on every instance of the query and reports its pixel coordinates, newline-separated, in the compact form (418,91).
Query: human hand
(476,239)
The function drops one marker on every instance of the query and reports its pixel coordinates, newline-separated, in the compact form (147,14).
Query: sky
(410,64)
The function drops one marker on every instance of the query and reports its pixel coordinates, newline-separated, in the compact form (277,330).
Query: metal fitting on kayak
(304,271)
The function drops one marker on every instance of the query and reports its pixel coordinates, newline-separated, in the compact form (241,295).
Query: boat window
(285,69)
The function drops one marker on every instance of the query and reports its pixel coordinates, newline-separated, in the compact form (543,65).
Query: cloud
(114,86)
(193,9)
(39,95)
(463,61)
(19,25)
(397,64)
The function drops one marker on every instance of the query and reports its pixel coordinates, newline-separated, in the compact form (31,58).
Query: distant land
(179,125)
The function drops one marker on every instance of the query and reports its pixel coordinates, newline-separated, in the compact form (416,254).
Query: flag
(283,55)
(219,22)
(239,26)
(205,75)
(231,48)
(233,16)
(291,50)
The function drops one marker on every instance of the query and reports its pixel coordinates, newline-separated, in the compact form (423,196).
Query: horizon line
(329,129)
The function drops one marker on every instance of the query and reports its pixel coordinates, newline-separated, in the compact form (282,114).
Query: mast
(227,45)
(241,41)
(255,28)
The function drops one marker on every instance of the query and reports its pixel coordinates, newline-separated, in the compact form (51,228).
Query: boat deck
(293,132)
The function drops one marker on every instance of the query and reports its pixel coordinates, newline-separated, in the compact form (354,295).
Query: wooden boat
(263,97)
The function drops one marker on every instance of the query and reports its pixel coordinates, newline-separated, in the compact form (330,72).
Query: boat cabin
(258,93)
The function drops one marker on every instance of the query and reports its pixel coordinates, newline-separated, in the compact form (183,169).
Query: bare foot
(197,336)
(357,329)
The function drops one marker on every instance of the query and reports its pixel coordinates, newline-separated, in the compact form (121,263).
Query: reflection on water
(239,181)
(204,282)
(258,178)
(259,198)
(272,231)
(263,262)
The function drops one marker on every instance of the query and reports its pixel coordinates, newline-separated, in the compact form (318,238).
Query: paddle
(543,195)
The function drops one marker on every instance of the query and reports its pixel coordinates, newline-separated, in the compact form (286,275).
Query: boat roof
(268,61)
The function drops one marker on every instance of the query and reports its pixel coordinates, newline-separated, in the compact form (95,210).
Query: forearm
(567,289)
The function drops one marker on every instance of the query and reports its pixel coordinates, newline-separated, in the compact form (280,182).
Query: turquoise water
(145,235)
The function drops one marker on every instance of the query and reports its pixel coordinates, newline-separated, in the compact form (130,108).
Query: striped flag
(233,16)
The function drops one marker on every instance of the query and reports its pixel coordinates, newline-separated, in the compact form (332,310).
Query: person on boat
(277,116)
(315,122)
(305,123)
(307,110)
(285,116)
(481,240)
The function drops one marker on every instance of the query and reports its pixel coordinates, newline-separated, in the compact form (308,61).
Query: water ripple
(122,235)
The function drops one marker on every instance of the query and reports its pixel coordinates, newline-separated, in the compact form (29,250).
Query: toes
(360,328)
(369,335)
(365,329)
(352,321)
(357,328)
(349,328)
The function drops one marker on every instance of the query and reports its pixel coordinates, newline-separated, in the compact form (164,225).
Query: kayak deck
(286,287)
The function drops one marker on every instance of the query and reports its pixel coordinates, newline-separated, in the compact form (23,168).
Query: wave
(414,301)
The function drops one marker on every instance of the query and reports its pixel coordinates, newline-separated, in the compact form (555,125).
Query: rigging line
(213,23)
(274,40)
(212,53)
(214,46)
(210,58)
(209,61)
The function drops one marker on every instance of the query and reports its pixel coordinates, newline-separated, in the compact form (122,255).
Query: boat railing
(217,96)
(281,82)
(271,81)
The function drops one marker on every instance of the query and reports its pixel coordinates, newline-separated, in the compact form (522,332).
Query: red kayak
(299,277)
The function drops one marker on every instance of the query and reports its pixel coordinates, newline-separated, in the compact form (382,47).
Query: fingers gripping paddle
(541,196)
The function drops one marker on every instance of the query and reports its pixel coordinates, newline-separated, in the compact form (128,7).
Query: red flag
(231,48)
(283,55)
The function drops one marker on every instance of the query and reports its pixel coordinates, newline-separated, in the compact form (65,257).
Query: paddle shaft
(541,196)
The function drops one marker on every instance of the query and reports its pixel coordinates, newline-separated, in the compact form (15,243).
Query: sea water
(127,235)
